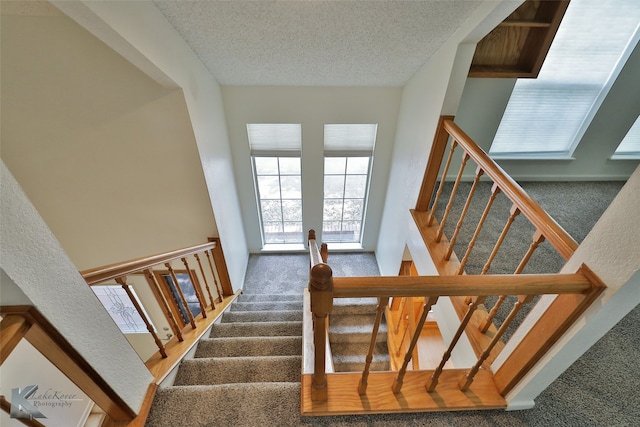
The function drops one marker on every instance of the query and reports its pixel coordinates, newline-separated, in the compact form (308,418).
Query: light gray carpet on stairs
(600,389)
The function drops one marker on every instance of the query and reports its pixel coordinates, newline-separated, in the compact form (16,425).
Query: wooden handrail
(486,285)
(108,272)
(552,231)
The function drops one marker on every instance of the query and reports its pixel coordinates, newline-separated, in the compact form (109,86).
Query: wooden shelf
(518,46)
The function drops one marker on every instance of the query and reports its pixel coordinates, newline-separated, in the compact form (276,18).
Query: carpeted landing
(246,373)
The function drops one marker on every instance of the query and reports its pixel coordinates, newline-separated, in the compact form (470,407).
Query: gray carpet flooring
(600,389)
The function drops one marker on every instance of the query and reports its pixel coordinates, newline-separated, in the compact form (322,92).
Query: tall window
(347,166)
(275,153)
(280,198)
(629,148)
(547,116)
(117,303)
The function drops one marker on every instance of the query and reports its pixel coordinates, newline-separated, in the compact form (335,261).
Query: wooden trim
(463,285)
(221,267)
(556,320)
(13,328)
(343,397)
(552,231)
(48,341)
(436,155)
(108,272)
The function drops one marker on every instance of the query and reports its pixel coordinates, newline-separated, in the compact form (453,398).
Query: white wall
(611,250)
(139,32)
(33,259)
(107,156)
(436,89)
(313,107)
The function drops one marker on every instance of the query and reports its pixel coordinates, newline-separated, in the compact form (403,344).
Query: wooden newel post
(321,291)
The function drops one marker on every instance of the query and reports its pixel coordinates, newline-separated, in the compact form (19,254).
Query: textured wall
(34,260)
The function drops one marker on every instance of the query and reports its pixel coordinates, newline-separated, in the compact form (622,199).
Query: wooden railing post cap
(312,235)
(321,278)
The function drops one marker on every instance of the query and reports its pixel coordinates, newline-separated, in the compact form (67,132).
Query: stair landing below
(379,399)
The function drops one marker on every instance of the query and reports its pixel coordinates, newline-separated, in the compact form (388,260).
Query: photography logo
(25,403)
(21,407)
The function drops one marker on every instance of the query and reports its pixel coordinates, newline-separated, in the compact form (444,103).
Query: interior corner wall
(146,34)
(33,259)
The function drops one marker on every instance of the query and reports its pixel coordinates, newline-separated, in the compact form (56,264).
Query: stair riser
(264,316)
(268,297)
(231,370)
(253,347)
(265,306)
(256,329)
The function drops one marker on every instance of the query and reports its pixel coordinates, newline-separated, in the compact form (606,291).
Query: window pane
(290,187)
(332,210)
(266,165)
(350,231)
(269,187)
(292,232)
(356,186)
(331,231)
(358,165)
(271,210)
(289,165)
(334,165)
(273,232)
(353,209)
(333,186)
(292,210)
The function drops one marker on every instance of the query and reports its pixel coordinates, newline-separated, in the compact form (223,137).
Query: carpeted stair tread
(350,356)
(268,297)
(356,333)
(261,316)
(249,346)
(228,370)
(256,329)
(247,405)
(341,308)
(266,306)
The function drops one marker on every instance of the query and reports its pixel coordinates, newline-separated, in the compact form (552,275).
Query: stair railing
(468,292)
(160,272)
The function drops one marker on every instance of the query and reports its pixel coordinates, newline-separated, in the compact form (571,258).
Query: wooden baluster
(362,386)
(206,282)
(196,288)
(123,282)
(168,314)
(473,305)
(494,192)
(324,252)
(213,273)
(472,190)
(465,158)
(512,216)
(454,143)
(467,379)
(182,297)
(321,290)
(403,305)
(397,384)
(537,239)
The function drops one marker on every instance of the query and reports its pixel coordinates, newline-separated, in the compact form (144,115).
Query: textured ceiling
(315,43)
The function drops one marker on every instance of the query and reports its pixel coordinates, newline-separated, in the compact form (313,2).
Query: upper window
(347,166)
(275,152)
(547,116)
(629,148)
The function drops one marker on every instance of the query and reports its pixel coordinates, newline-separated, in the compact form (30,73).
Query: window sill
(284,247)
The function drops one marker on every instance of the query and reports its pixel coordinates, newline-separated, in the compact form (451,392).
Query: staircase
(247,372)
(350,326)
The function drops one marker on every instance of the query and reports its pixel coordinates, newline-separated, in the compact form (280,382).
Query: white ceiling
(315,43)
